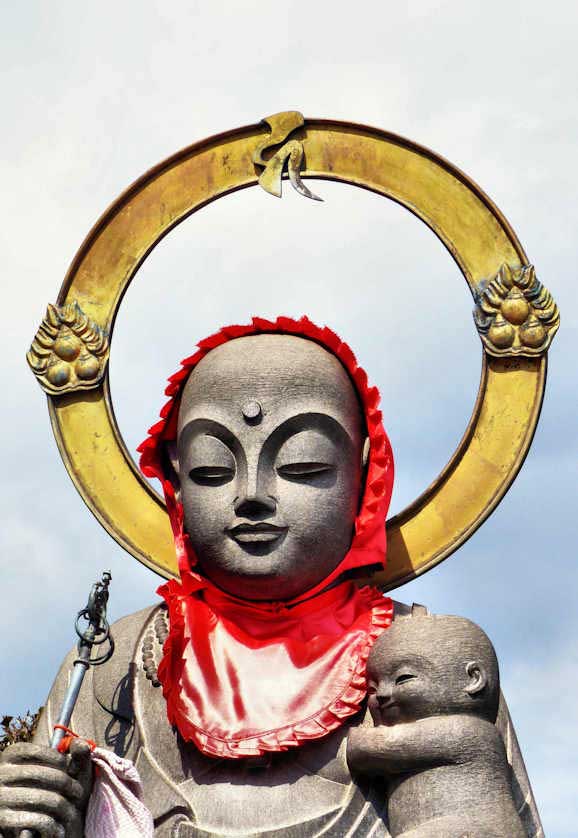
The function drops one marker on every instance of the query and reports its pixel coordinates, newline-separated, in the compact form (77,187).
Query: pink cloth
(116,808)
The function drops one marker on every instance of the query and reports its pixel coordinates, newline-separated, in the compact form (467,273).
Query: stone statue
(269,467)
(433,694)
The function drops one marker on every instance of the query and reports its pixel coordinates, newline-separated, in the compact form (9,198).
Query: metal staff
(95,633)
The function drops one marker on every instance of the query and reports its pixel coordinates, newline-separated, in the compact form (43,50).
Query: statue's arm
(438,740)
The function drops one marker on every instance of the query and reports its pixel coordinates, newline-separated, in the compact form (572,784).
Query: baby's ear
(477,678)
(173,463)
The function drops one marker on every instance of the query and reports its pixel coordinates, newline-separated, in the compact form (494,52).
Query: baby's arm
(437,740)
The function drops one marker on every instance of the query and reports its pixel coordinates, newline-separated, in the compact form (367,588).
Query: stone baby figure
(433,696)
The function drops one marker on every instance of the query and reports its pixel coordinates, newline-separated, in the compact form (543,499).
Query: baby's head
(432,666)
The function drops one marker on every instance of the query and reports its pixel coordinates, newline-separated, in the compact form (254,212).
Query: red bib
(242,677)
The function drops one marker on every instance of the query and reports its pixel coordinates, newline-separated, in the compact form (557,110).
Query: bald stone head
(269,464)
(431,666)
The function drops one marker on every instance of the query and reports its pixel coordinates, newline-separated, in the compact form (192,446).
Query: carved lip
(261,533)
(389,712)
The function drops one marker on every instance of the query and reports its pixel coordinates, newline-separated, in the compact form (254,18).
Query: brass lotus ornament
(69,351)
(515,314)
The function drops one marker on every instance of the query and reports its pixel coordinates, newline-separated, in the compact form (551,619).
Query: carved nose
(255,506)
(383,695)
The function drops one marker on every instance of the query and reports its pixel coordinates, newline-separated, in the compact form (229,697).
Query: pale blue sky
(93,95)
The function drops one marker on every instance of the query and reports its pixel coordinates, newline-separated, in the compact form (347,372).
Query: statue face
(269,448)
(431,666)
(404,689)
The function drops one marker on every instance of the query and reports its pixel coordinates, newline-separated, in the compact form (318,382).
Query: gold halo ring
(478,237)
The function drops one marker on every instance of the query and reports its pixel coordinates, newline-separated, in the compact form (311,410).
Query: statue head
(275,466)
(430,666)
(268,457)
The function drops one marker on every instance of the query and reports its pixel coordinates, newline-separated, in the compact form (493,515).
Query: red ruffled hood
(220,648)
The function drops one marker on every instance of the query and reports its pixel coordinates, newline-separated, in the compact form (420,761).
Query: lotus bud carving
(515,314)
(69,351)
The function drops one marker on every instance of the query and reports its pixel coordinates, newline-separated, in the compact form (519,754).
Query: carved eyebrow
(209,427)
(393,663)
(410,662)
(309,422)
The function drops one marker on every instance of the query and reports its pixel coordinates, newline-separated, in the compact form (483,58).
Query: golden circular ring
(476,234)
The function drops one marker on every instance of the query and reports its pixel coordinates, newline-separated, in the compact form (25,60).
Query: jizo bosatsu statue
(245,700)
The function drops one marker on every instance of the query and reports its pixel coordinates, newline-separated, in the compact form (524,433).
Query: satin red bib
(240,677)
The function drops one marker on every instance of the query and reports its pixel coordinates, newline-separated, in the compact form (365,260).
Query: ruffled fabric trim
(316,725)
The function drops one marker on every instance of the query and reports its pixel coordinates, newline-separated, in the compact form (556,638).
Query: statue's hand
(43,790)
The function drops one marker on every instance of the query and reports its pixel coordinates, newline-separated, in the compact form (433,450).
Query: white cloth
(116,808)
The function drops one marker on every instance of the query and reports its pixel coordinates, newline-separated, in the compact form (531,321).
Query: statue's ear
(365,453)
(477,678)
(364,461)
(173,463)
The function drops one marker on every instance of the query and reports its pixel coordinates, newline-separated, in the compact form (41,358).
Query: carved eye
(401,679)
(305,456)
(303,471)
(210,462)
(211,475)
